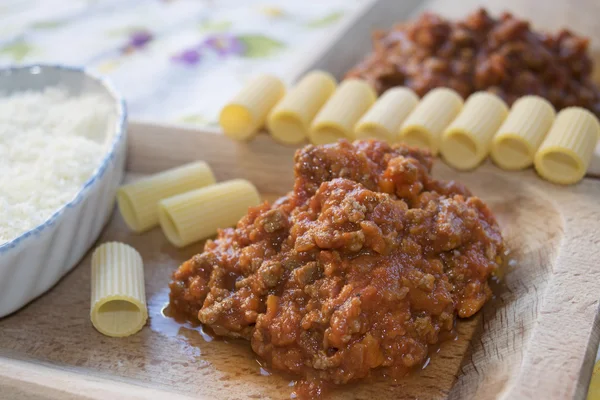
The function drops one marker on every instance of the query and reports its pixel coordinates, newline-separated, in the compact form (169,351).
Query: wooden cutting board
(537,339)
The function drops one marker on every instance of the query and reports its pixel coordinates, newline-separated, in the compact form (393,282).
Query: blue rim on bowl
(120,126)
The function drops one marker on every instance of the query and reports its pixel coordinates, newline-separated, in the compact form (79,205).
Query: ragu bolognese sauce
(361,268)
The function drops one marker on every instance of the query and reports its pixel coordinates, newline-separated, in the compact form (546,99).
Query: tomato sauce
(362,268)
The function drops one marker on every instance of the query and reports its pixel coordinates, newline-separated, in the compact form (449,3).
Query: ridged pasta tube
(383,120)
(567,150)
(243,116)
(467,141)
(337,118)
(519,137)
(118,302)
(594,389)
(290,120)
(138,201)
(424,126)
(196,215)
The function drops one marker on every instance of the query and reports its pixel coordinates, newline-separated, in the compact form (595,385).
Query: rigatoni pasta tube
(290,120)
(138,201)
(594,389)
(243,116)
(337,118)
(196,215)
(383,120)
(519,137)
(467,141)
(424,126)
(118,303)
(567,150)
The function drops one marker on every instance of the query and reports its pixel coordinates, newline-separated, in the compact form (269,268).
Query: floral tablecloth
(174,61)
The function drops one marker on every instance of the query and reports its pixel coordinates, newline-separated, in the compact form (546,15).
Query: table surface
(164,56)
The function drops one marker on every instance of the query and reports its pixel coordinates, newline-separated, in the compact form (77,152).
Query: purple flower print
(188,57)
(137,40)
(224,44)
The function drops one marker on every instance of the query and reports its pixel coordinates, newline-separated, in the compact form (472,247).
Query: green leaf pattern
(17,50)
(50,24)
(214,26)
(260,46)
(326,20)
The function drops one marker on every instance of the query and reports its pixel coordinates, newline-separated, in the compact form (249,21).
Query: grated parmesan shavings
(50,145)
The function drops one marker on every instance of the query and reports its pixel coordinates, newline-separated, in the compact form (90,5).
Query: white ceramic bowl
(33,262)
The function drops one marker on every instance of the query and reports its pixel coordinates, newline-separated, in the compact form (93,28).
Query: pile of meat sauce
(366,263)
(503,55)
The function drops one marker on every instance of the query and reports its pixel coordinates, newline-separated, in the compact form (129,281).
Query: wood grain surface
(537,338)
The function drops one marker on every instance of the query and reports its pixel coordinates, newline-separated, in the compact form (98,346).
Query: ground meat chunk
(503,55)
(363,266)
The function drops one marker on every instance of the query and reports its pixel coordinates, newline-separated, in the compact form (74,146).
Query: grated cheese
(50,145)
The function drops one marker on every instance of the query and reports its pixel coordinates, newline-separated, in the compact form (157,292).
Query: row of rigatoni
(189,206)
(464,132)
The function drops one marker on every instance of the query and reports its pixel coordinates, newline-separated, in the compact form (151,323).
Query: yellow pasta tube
(517,140)
(567,150)
(138,201)
(243,116)
(337,118)
(467,141)
(424,126)
(383,120)
(290,120)
(196,215)
(594,388)
(118,304)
